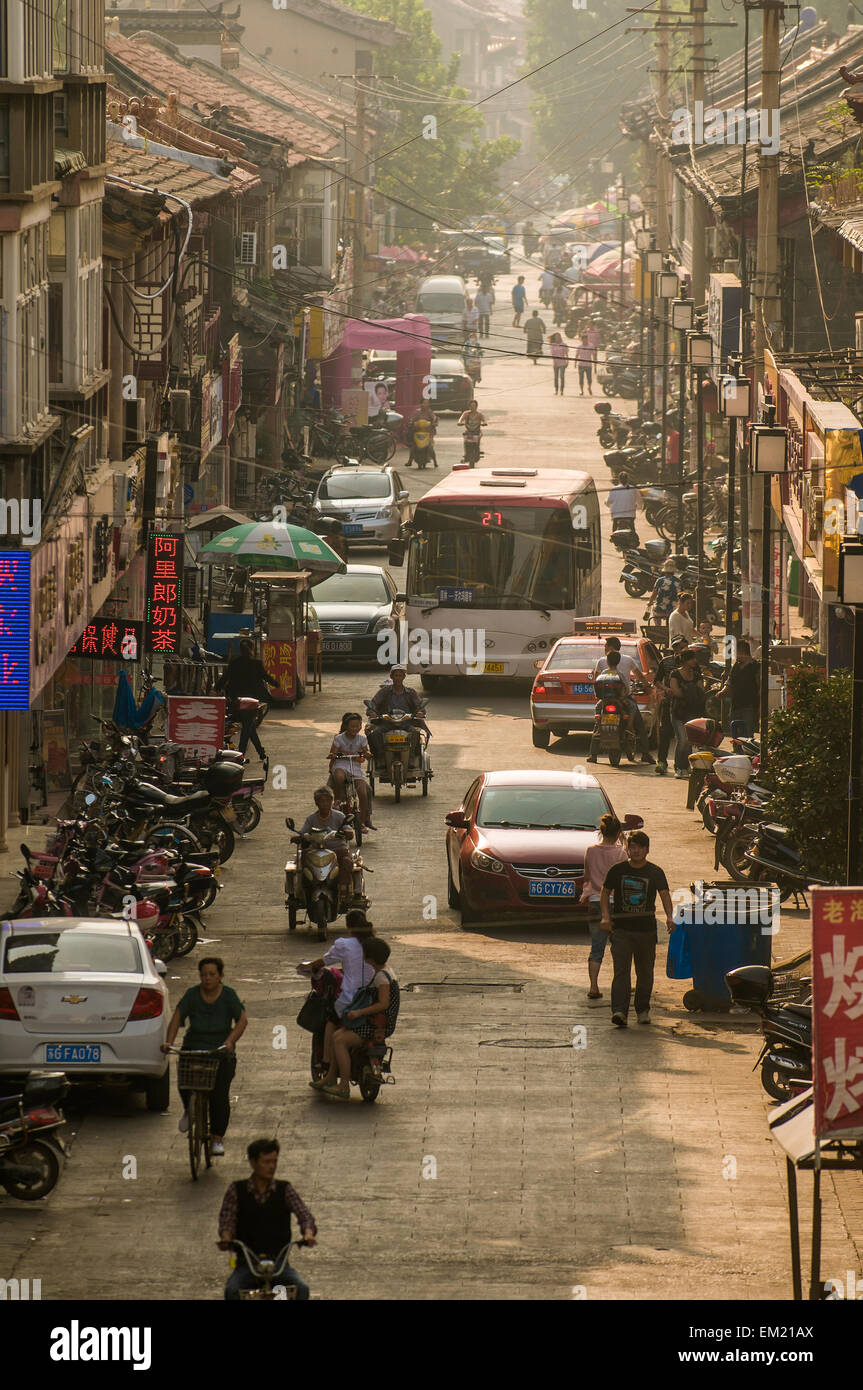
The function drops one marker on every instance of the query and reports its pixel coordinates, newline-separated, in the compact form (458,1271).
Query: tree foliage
(455,173)
(808,768)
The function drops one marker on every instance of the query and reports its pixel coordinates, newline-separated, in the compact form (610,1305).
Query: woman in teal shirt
(217,1018)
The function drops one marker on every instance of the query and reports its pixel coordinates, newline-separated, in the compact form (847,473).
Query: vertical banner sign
(197,722)
(14,629)
(837,979)
(278,659)
(164,596)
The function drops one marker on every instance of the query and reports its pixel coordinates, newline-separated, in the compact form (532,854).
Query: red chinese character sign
(109,639)
(278,659)
(837,980)
(197,722)
(164,595)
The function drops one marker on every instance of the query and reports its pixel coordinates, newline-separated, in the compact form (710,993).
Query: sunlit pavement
(505,1162)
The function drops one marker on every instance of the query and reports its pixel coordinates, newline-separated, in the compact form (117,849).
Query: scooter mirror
(289,823)
(90,799)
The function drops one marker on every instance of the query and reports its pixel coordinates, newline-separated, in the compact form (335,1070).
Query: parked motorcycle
(31,1151)
(786,1057)
(312,880)
(774,858)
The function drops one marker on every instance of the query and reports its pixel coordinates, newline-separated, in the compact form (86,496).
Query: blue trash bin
(728,924)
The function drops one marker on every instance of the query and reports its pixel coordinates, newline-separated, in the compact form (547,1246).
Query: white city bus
(500,561)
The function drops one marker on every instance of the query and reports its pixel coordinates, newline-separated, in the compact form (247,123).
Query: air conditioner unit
(248,248)
(191,586)
(181,410)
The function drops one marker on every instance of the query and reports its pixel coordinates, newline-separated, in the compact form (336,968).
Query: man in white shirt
(680,622)
(623,501)
(483,301)
(627,667)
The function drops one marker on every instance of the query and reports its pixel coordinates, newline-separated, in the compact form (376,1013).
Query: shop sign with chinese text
(197,722)
(279,662)
(837,1012)
(164,592)
(14,629)
(109,639)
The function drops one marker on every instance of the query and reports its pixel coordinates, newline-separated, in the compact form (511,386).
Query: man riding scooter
(627,669)
(609,688)
(420,434)
(392,699)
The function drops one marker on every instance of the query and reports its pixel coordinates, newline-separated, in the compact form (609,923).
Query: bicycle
(196,1072)
(267,1268)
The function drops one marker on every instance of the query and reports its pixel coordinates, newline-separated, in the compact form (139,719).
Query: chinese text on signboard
(837,979)
(14,629)
(197,722)
(278,659)
(164,592)
(109,639)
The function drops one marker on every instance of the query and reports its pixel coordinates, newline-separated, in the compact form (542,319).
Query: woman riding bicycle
(348,751)
(217,1018)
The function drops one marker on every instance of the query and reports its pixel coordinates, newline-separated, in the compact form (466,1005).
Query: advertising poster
(197,722)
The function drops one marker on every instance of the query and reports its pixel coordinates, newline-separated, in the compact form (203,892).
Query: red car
(517,843)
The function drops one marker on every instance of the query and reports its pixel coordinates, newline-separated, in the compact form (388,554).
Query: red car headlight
(486,862)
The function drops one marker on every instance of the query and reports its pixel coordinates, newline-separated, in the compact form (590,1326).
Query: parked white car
(83,996)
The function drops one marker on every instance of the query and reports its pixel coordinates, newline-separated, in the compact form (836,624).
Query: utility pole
(359,170)
(663,224)
(699,218)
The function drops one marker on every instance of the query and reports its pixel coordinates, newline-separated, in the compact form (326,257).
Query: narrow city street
(509,1161)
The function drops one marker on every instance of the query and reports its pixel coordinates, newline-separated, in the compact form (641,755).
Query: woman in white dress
(348,753)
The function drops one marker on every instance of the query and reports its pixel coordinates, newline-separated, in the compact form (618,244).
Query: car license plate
(330,644)
(551,888)
(611,719)
(397,738)
(73,1052)
(582,690)
(352,528)
(493,668)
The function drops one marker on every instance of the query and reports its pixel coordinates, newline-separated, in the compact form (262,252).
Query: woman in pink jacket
(559,361)
(597,862)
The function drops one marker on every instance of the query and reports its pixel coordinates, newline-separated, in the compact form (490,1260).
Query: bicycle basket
(196,1073)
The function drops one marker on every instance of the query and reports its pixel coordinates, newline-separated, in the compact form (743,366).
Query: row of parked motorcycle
(143,835)
(754,850)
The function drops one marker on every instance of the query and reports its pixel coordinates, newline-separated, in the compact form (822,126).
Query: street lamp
(682,318)
(850,592)
(643,239)
(651,264)
(700,351)
(734,394)
(768,455)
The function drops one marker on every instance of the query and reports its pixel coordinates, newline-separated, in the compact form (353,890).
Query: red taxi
(562,697)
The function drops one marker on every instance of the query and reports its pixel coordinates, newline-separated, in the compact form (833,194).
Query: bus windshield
(495,557)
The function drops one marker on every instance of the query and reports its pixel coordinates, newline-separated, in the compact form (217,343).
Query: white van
(443,300)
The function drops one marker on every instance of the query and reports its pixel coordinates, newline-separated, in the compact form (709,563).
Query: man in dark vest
(257,1211)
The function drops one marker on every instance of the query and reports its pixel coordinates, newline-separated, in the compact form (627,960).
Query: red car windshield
(542,808)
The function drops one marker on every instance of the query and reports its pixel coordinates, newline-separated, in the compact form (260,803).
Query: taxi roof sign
(591,627)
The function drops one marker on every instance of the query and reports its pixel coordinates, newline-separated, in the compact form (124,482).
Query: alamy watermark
(437,646)
(21,517)
(738,125)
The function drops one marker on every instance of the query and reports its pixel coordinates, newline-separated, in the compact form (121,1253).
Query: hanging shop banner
(15,629)
(164,592)
(837,1013)
(109,639)
(280,663)
(197,722)
(55,750)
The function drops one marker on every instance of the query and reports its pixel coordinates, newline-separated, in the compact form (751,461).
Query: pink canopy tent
(400,253)
(607,267)
(409,341)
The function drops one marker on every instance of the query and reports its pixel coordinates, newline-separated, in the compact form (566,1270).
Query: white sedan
(84,996)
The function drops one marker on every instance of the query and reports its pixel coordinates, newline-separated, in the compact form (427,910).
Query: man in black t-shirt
(628,904)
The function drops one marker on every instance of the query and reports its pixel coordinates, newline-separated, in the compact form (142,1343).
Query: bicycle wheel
(205,1128)
(196,1132)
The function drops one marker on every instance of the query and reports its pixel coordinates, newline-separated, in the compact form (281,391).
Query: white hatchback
(86,997)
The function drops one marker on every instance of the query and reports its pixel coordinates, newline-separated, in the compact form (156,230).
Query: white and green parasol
(274,545)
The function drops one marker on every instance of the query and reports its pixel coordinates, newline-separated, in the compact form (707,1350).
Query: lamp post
(652,266)
(700,357)
(768,454)
(850,592)
(668,286)
(643,242)
(623,209)
(682,318)
(734,394)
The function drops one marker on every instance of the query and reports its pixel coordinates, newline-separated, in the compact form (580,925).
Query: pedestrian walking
(680,621)
(628,907)
(559,361)
(663,595)
(598,860)
(483,301)
(687,702)
(661,686)
(535,330)
(470,319)
(217,1019)
(585,356)
(546,285)
(518,295)
(559,304)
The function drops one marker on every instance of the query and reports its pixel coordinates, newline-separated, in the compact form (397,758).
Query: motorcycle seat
(755,790)
(156,796)
(778,832)
(656,550)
